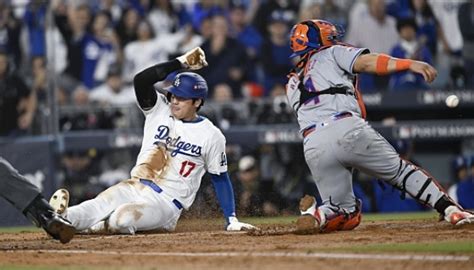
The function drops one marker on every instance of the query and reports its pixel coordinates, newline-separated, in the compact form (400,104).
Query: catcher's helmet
(189,85)
(313,34)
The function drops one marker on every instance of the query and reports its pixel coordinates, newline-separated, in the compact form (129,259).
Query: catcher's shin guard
(424,188)
(354,218)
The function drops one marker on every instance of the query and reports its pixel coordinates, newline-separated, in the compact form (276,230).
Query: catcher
(178,147)
(322,89)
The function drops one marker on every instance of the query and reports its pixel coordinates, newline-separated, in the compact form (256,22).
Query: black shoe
(43,215)
(58,227)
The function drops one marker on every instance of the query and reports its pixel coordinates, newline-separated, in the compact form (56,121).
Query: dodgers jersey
(192,147)
(331,67)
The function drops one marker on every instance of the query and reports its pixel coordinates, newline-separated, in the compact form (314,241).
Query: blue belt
(156,188)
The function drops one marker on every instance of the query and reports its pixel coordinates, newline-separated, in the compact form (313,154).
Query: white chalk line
(321,255)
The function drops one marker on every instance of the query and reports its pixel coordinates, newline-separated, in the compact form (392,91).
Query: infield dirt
(200,244)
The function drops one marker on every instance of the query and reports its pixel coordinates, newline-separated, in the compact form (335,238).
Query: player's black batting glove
(233,224)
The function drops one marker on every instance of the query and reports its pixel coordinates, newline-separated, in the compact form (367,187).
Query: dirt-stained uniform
(174,156)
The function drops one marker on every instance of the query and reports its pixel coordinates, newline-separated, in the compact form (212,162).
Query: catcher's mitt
(153,165)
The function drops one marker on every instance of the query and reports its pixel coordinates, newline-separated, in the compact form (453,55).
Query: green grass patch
(19,229)
(436,247)
(400,216)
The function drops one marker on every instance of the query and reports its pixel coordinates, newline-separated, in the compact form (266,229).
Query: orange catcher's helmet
(313,34)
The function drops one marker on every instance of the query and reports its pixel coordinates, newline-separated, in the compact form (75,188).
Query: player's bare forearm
(382,64)
(144,81)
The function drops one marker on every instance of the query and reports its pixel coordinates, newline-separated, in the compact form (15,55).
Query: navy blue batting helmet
(189,85)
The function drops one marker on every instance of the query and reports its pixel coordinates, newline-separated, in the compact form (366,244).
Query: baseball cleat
(60,201)
(458,217)
(307,223)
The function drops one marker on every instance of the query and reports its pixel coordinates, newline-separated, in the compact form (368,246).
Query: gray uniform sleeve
(345,56)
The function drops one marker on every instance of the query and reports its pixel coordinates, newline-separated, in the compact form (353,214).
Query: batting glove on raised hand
(235,225)
(193,59)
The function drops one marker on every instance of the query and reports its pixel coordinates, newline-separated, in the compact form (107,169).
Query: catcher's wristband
(381,67)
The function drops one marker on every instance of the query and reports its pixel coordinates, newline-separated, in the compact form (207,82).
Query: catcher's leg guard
(354,218)
(426,189)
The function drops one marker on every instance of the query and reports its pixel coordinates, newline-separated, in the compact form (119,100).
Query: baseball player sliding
(322,89)
(178,147)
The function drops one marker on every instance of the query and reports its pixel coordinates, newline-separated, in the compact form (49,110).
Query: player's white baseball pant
(332,150)
(127,207)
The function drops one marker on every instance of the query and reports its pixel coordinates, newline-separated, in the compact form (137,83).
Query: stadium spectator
(450,71)
(113,8)
(72,22)
(463,188)
(100,50)
(17,102)
(243,31)
(247,35)
(149,48)
(115,166)
(370,27)
(205,28)
(253,197)
(162,17)
(35,20)
(283,168)
(222,93)
(275,52)
(331,10)
(277,110)
(128,26)
(37,81)
(466,23)
(373,28)
(112,91)
(79,174)
(10,30)
(226,57)
(411,48)
(288,9)
(427,24)
(205,9)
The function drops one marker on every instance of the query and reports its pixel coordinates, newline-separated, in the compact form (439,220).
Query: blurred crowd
(81,55)
(86,52)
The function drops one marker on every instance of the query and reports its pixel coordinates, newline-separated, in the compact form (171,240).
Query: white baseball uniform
(193,148)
